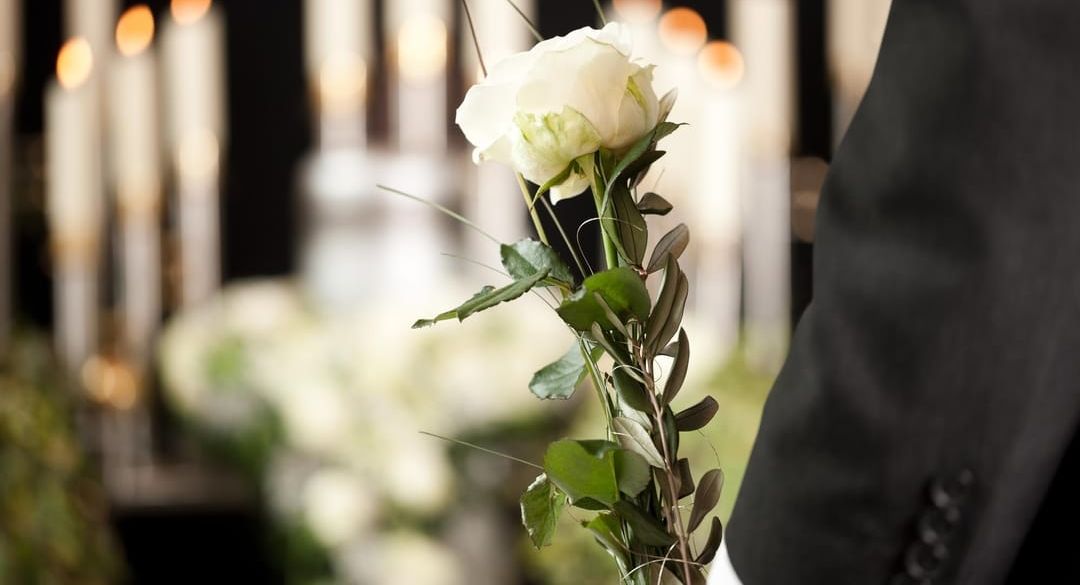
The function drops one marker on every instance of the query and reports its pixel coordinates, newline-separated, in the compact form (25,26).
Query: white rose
(559,103)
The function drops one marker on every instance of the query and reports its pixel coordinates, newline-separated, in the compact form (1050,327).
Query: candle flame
(721,64)
(638,11)
(421,47)
(189,11)
(683,31)
(134,30)
(74,63)
(110,381)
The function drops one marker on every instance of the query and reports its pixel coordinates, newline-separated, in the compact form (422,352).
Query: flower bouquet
(572,114)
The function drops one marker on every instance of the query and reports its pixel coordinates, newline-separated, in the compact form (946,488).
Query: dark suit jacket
(934,384)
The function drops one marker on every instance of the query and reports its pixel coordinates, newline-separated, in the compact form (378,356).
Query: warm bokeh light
(683,31)
(189,11)
(134,30)
(421,47)
(111,382)
(638,11)
(342,82)
(721,64)
(74,63)
(197,157)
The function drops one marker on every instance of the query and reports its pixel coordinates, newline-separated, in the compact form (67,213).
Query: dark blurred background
(213,525)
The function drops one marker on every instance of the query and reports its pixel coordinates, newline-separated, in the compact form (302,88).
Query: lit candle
(418,31)
(493,200)
(136,174)
(716,205)
(640,17)
(338,47)
(764,31)
(192,49)
(682,34)
(9,59)
(92,20)
(75,201)
(855,30)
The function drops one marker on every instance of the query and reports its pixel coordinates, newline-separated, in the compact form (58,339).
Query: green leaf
(708,494)
(525,258)
(485,299)
(671,431)
(716,536)
(612,318)
(632,472)
(552,182)
(697,416)
(640,168)
(672,244)
(653,204)
(606,529)
(541,505)
(558,380)
(633,436)
(631,391)
(677,376)
(618,352)
(647,529)
(630,227)
(665,129)
(577,470)
(622,290)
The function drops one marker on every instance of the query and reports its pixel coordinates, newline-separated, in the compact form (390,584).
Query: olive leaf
(673,243)
(686,479)
(708,494)
(653,204)
(541,505)
(678,369)
(666,316)
(716,535)
(634,437)
(646,528)
(697,416)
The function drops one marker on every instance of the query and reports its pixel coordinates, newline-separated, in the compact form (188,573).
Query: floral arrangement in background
(53,519)
(327,411)
(576,113)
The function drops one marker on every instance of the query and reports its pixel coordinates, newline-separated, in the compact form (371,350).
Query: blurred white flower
(338,507)
(560,102)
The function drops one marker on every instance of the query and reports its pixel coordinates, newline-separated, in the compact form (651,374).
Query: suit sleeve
(930,391)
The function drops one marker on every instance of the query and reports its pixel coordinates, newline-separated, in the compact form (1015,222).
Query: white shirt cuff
(721,572)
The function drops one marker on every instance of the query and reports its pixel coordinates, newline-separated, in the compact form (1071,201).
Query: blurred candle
(682,34)
(764,31)
(92,20)
(716,205)
(338,47)
(75,201)
(193,55)
(418,31)
(855,31)
(9,61)
(494,201)
(136,173)
(640,17)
